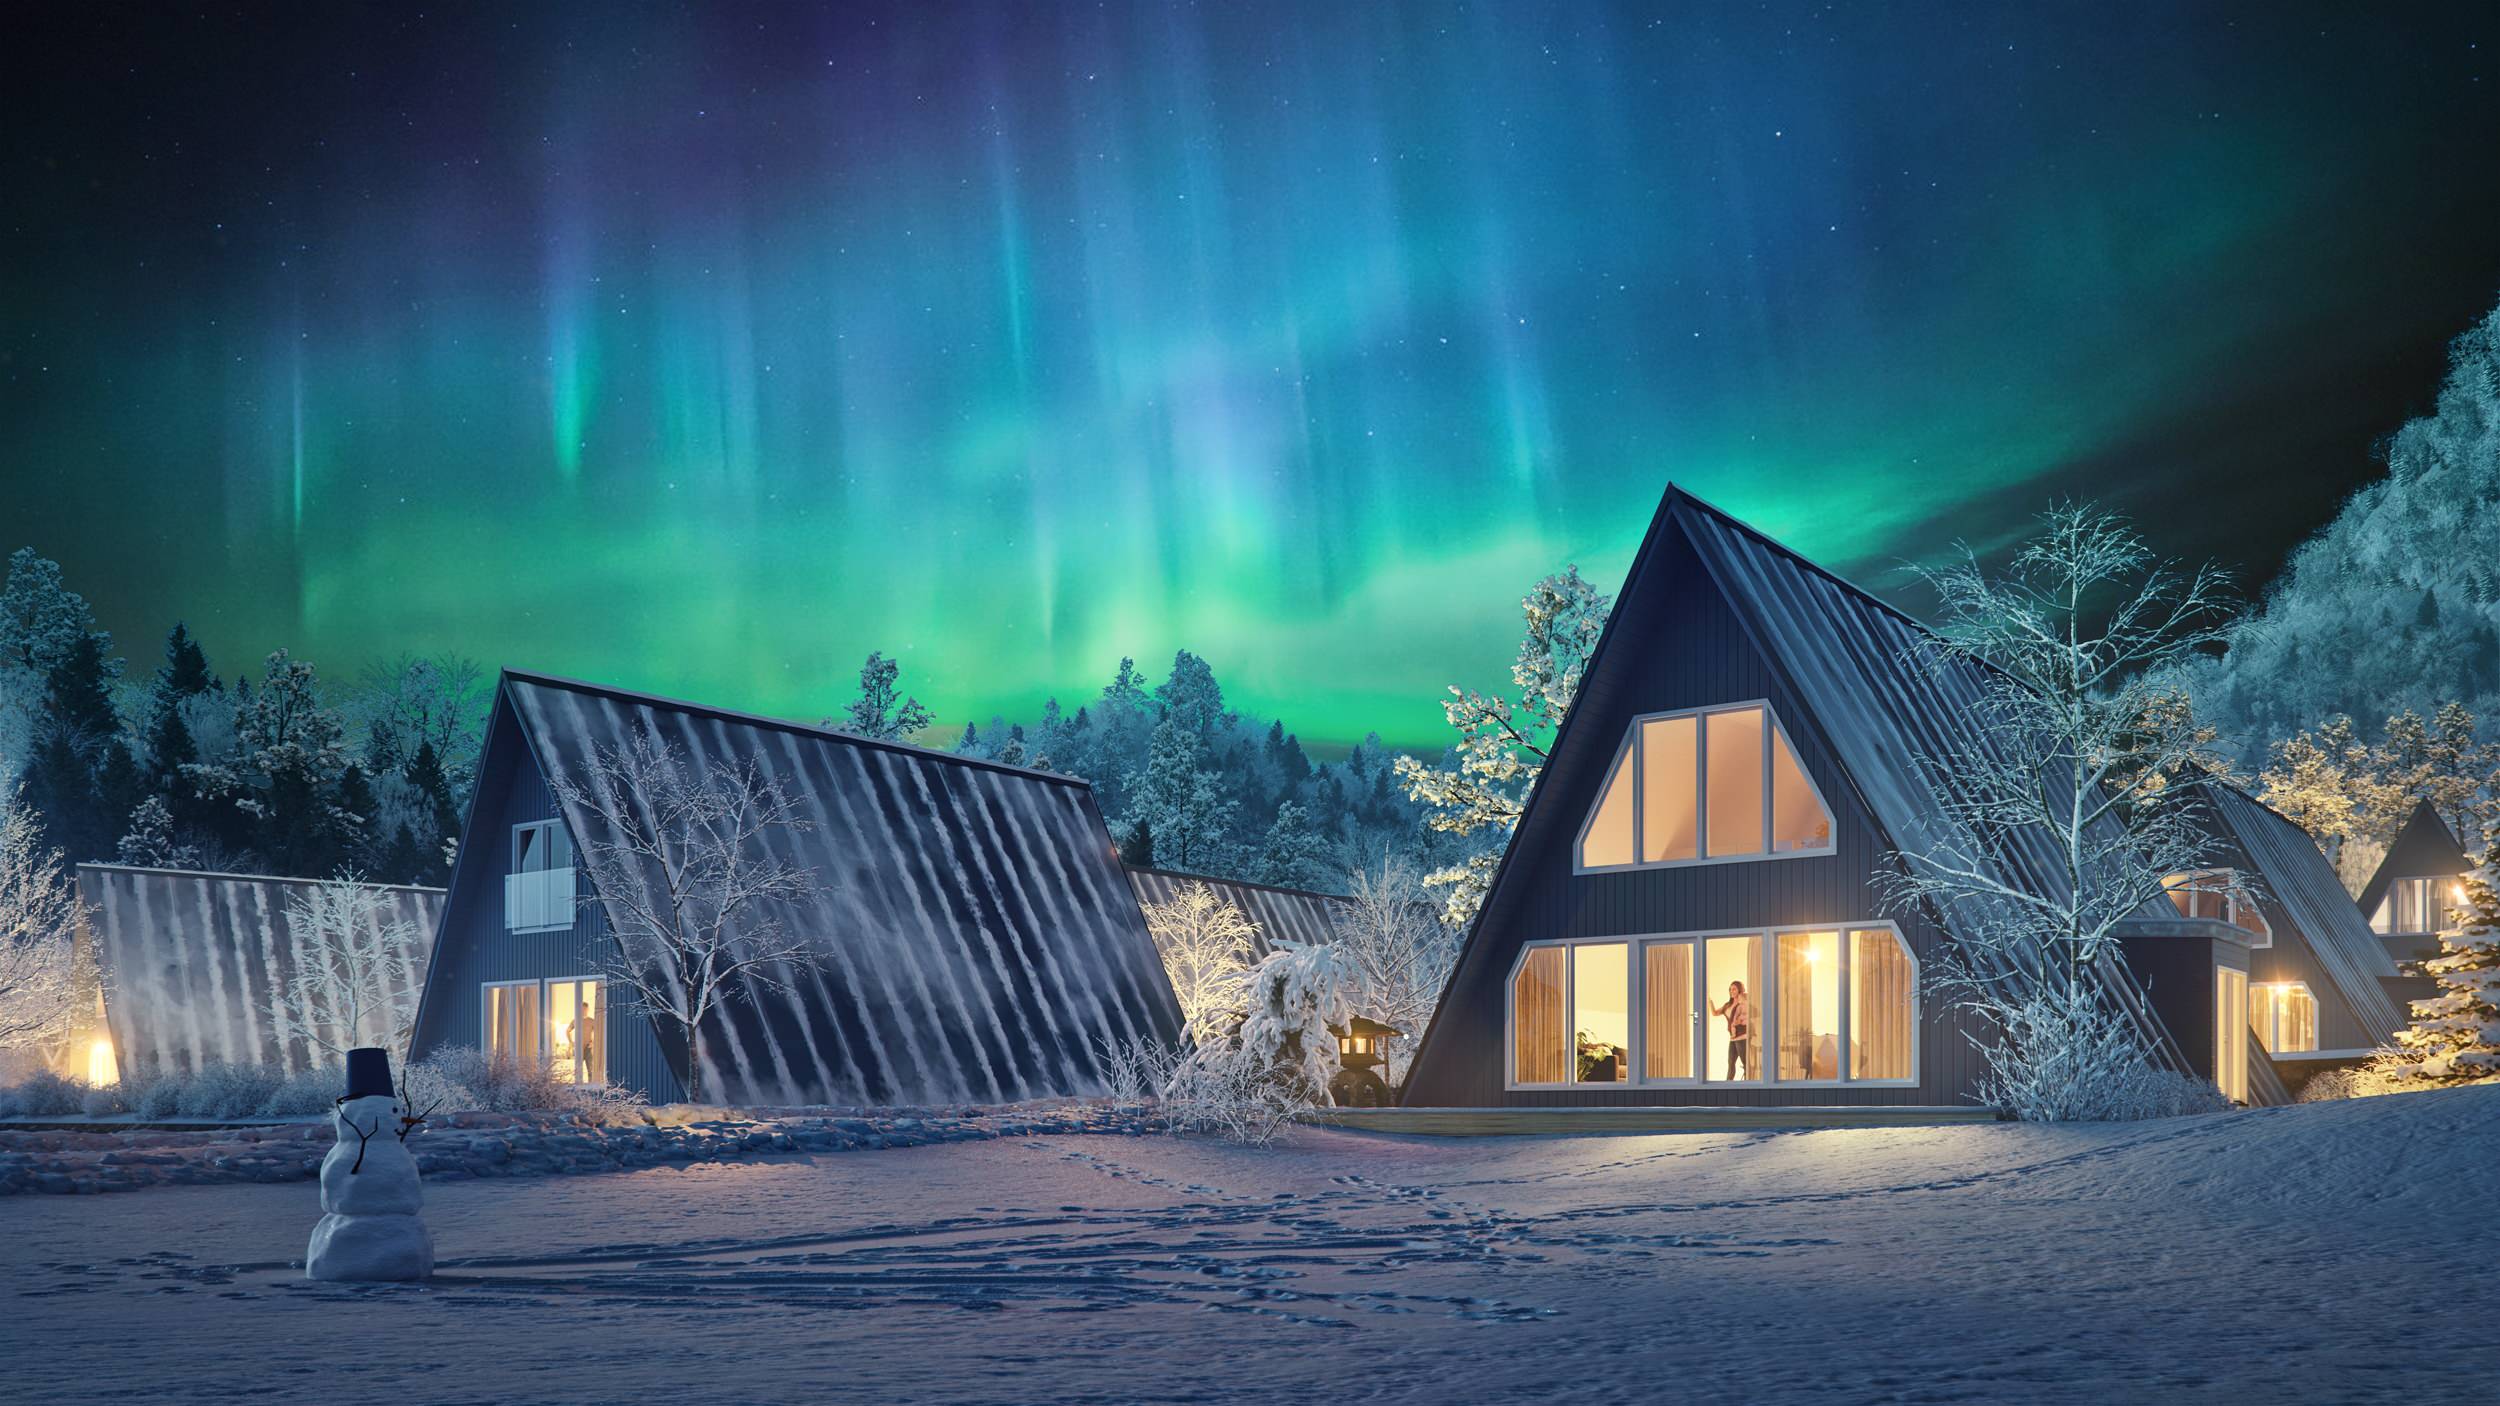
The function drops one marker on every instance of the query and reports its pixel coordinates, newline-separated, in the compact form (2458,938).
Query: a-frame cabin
(1704,845)
(977,941)
(2409,897)
(2319,982)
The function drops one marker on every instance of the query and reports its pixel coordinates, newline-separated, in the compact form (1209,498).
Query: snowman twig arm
(363,1136)
(408,1125)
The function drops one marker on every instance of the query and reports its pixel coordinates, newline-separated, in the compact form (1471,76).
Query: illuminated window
(1883,1005)
(2230,1035)
(2222,895)
(1540,1036)
(2285,1016)
(1835,1005)
(1710,784)
(1667,1010)
(1601,1012)
(577,1022)
(511,1021)
(2414,905)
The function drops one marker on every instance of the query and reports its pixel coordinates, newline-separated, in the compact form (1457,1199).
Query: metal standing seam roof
(1858,662)
(1295,915)
(190,962)
(978,941)
(2298,878)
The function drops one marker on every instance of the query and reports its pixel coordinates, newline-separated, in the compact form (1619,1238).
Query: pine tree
(2455,1035)
(82,780)
(1137,847)
(1294,855)
(151,843)
(881,711)
(285,778)
(1184,802)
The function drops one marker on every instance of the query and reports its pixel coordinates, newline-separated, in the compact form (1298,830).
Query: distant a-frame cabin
(1688,911)
(977,940)
(2412,895)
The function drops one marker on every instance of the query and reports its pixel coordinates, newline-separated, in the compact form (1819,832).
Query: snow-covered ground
(2323,1252)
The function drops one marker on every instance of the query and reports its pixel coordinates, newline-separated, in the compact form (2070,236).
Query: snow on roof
(979,941)
(2298,877)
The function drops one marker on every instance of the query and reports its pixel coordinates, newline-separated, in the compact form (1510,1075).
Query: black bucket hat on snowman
(368,1074)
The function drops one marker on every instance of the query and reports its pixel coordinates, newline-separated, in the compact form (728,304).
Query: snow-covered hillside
(2304,1253)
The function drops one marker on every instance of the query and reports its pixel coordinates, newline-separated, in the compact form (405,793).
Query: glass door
(1668,1031)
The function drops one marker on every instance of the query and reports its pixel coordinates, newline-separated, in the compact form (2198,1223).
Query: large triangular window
(1709,785)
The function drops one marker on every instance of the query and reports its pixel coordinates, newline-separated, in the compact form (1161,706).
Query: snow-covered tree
(2353,797)
(2396,603)
(881,710)
(1182,802)
(1295,994)
(151,843)
(2073,753)
(1294,854)
(355,980)
(1207,948)
(1402,949)
(415,701)
(45,987)
(1503,740)
(287,772)
(2455,1036)
(683,856)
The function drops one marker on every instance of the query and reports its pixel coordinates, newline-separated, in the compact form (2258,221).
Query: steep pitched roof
(2424,848)
(191,961)
(1294,915)
(979,941)
(1879,698)
(2297,877)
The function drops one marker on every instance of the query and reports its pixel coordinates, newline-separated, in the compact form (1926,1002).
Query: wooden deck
(1546,1122)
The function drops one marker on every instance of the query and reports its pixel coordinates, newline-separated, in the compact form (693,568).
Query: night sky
(703,349)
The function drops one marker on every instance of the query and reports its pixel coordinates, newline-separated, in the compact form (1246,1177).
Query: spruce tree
(2455,1035)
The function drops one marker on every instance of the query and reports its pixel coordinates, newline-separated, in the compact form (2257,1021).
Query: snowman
(369,1195)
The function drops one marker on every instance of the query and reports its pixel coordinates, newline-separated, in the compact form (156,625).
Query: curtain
(1540,1033)
(1881,1004)
(1796,1033)
(1667,1021)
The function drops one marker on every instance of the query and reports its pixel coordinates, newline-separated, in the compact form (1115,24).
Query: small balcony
(538,901)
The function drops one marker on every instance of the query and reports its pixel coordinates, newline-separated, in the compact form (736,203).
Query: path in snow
(2308,1253)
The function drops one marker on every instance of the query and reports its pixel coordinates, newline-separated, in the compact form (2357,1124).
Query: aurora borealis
(703,349)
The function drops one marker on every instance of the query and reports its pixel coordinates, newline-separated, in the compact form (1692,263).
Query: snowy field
(2319,1253)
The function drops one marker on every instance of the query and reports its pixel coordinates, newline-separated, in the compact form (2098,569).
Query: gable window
(538,889)
(2285,1016)
(1707,785)
(2219,894)
(2414,905)
(1833,1005)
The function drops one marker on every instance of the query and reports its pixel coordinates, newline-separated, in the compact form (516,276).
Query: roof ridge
(247,878)
(825,734)
(1678,493)
(1239,883)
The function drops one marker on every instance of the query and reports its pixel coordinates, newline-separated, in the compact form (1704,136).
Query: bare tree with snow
(45,986)
(1207,948)
(682,855)
(1402,951)
(356,978)
(2074,763)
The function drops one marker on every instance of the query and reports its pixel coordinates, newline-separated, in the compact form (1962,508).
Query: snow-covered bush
(44,1094)
(228,1091)
(1296,993)
(1219,1090)
(2065,1055)
(1136,1072)
(466,1080)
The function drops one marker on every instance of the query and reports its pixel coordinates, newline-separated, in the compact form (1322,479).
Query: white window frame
(485,1012)
(2231,1032)
(2271,1040)
(512,859)
(1628,755)
(547,1020)
(2441,902)
(1766,1018)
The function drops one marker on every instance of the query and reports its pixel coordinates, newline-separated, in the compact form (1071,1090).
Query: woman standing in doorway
(1739,1030)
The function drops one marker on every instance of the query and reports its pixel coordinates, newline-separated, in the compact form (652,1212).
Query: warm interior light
(102,1068)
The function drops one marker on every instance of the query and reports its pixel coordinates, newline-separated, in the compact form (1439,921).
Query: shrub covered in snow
(467,1081)
(2064,1055)
(43,1095)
